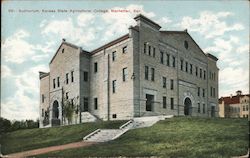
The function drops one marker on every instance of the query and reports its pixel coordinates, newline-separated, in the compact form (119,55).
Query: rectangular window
(152,74)
(67,78)
(199,108)
(149,50)
(96,103)
(114,116)
(200,73)
(211,91)
(42,98)
(114,85)
(171,84)
(145,48)
(196,71)
(125,74)
(54,83)
(203,93)
(198,91)
(124,49)
(58,81)
(85,76)
(204,75)
(172,103)
(173,61)
(85,104)
(113,56)
(244,108)
(191,69)
(95,67)
(181,64)
(168,60)
(42,112)
(153,51)
(164,82)
(72,76)
(146,72)
(204,108)
(186,66)
(164,101)
(214,92)
(162,58)
(67,95)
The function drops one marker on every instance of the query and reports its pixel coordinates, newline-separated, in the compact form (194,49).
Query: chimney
(186,30)
(63,40)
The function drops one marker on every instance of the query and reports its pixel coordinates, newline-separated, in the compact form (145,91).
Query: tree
(68,109)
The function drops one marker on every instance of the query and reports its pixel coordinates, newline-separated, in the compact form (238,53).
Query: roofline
(120,39)
(147,19)
(212,56)
(43,74)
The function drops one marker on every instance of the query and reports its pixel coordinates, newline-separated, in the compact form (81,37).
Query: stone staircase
(88,117)
(104,135)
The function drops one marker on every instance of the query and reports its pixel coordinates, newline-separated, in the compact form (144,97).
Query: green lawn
(176,137)
(28,139)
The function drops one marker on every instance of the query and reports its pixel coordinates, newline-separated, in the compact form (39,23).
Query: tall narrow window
(168,59)
(42,112)
(164,101)
(95,67)
(203,93)
(199,108)
(72,76)
(198,91)
(114,86)
(204,108)
(164,82)
(85,104)
(67,78)
(191,69)
(173,62)
(152,74)
(85,76)
(113,56)
(96,103)
(149,50)
(211,91)
(42,98)
(124,49)
(181,64)
(196,71)
(162,58)
(171,84)
(200,73)
(146,72)
(172,103)
(153,51)
(145,48)
(186,66)
(125,74)
(204,75)
(67,95)
(54,83)
(58,81)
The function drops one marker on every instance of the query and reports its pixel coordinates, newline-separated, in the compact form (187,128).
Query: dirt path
(49,149)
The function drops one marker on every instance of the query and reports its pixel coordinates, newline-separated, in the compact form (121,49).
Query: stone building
(145,72)
(234,106)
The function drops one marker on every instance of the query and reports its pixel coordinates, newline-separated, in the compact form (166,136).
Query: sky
(33,30)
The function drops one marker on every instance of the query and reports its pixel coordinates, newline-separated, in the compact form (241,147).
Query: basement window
(114,116)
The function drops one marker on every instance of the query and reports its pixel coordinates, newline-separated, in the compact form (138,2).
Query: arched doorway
(55,114)
(187,106)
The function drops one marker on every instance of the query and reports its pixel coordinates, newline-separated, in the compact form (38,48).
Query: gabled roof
(43,74)
(147,20)
(68,44)
(232,99)
(185,32)
(122,38)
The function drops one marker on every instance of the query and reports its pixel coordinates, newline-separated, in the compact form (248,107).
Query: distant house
(234,106)
(145,72)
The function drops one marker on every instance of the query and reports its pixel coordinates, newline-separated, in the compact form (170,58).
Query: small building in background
(234,106)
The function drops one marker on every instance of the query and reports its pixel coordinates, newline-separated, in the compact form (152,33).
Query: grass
(177,137)
(28,139)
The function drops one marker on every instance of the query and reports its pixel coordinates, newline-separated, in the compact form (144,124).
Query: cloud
(5,71)
(243,49)
(85,19)
(210,24)
(67,29)
(164,21)
(25,103)
(119,22)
